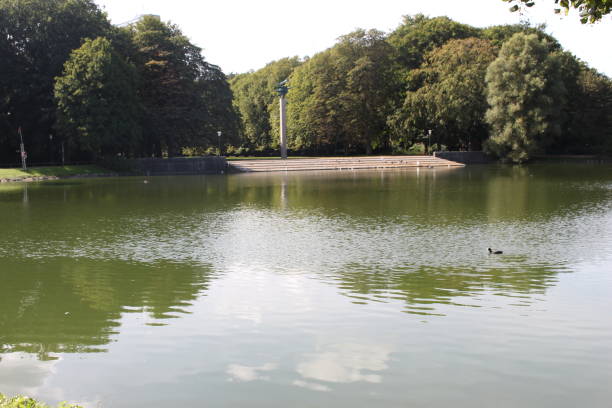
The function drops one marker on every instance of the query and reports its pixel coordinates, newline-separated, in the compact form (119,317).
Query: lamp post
(428,141)
(50,148)
(23,153)
(219,136)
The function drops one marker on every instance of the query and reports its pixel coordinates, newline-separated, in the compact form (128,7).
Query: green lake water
(331,289)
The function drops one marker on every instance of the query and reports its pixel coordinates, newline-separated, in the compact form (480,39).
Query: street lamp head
(219,133)
(429,131)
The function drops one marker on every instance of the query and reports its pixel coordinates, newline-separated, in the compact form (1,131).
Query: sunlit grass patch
(57,171)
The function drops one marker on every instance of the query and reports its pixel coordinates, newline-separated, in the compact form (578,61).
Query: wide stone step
(340,163)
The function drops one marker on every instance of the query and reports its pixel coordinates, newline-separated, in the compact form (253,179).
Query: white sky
(240,35)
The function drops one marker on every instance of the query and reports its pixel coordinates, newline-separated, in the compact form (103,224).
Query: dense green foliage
(185,99)
(450,97)
(254,99)
(98,106)
(590,11)
(69,78)
(376,92)
(340,98)
(101,90)
(419,34)
(26,402)
(525,93)
(36,38)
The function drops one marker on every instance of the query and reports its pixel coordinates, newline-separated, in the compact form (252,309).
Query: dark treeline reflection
(432,196)
(438,196)
(61,305)
(424,289)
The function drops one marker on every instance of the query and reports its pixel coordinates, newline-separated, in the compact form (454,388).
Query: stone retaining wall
(465,157)
(179,165)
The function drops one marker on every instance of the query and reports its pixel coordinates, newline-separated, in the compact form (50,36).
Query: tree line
(511,90)
(73,81)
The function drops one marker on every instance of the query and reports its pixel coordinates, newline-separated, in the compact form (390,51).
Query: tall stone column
(283,127)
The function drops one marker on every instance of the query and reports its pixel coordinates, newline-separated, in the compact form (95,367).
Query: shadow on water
(61,305)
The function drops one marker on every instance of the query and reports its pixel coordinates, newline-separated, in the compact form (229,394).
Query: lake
(335,289)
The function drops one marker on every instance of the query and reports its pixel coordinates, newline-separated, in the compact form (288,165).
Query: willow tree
(526,95)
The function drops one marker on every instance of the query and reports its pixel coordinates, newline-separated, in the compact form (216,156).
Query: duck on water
(495,252)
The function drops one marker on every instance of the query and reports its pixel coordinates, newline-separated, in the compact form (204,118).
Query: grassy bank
(52,171)
(25,402)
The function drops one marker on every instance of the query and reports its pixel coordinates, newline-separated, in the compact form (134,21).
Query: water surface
(344,289)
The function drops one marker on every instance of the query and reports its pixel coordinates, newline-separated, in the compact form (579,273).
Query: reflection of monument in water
(74,306)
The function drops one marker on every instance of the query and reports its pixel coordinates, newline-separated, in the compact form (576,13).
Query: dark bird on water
(495,252)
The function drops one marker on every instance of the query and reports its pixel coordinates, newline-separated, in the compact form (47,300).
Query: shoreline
(265,162)
(48,178)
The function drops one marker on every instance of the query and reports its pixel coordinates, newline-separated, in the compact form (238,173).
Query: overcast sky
(242,35)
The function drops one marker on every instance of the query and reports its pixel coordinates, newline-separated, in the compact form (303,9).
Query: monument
(282,90)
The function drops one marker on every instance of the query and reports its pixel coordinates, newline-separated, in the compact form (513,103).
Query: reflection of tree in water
(74,305)
(422,288)
(432,197)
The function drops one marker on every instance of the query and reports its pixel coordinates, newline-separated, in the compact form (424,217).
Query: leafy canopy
(97,101)
(340,98)
(590,11)
(525,93)
(451,100)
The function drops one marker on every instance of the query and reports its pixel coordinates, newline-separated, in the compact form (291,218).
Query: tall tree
(217,109)
(313,115)
(170,67)
(526,94)
(452,99)
(340,98)
(587,116)
(98,104)
(36,38)
(370,89)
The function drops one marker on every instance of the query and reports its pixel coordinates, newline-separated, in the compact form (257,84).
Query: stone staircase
(339,163)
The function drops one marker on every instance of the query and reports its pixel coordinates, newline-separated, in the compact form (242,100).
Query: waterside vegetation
(26,402)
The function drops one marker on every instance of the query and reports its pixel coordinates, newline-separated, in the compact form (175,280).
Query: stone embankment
(177,166)
(340,163)
(45,178)
(22,179)
(474,157)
